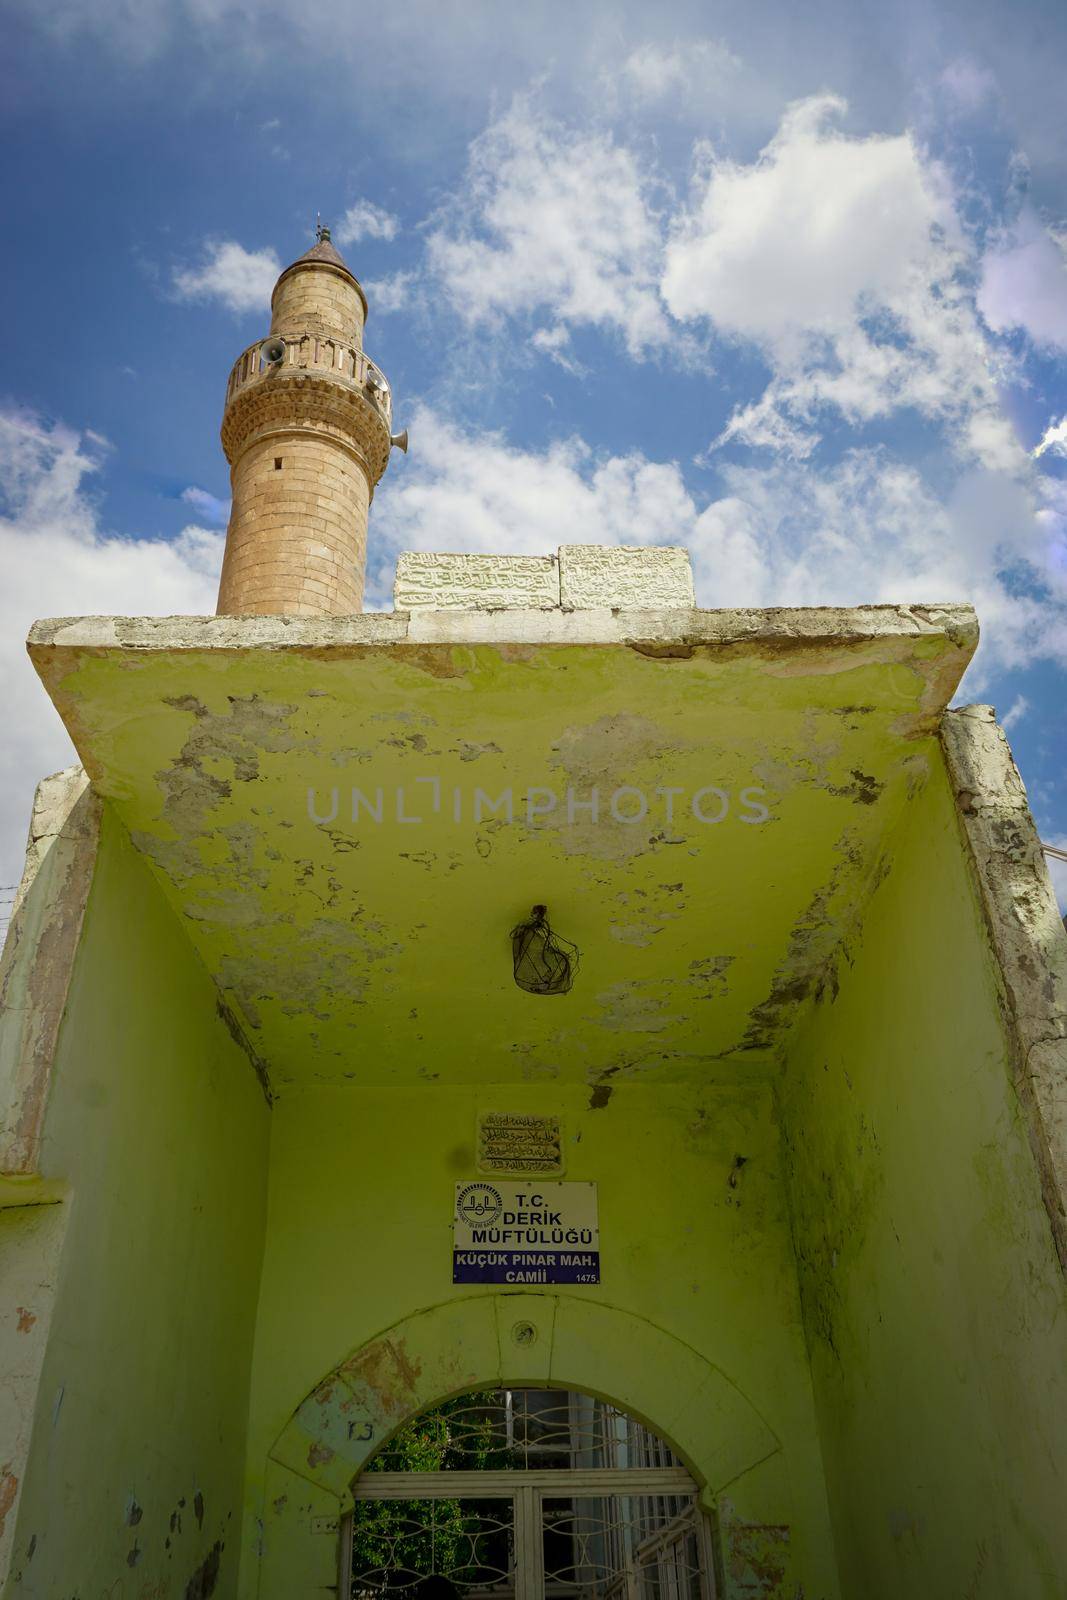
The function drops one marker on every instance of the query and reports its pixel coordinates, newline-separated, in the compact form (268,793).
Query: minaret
(306,430)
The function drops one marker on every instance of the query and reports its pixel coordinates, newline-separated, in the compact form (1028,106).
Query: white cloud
(841,259)
(1015,712)
(764,424)
(558,221)
(793,240)
(968,84)
(365,220)
(696,68)
(870,530)
(241,279)
(207,505)
(425,64)
(866,530)
(57,561)
(1024,283)
(399,292)
(556,344)
(475,491)
(1054,438)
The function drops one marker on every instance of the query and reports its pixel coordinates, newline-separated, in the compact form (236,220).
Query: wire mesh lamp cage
(543,961)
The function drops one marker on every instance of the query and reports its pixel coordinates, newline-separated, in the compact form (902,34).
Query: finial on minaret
(322,232)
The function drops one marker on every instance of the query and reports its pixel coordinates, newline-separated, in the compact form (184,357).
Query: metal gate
(571,1498)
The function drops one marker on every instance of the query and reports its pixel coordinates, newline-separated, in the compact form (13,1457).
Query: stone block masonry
(428,581)
(297,539)
(581,577)
(624,577)
(326,303)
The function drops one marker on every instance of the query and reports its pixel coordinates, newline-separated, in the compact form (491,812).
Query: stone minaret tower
(306,430)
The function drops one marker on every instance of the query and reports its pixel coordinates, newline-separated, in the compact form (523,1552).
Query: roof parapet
(579,577)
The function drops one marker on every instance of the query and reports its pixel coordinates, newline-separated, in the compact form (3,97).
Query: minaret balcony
(327,385)
(310,352)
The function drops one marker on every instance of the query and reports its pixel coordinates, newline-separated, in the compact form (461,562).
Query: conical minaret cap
(324,251)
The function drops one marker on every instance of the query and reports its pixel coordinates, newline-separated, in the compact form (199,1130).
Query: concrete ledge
(656,628)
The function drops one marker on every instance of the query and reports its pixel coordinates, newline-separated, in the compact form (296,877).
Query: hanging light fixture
(543,962)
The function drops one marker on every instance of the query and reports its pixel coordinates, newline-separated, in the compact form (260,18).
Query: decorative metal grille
(519,1429)
(470,1542)
(623,1546)
(523,1494)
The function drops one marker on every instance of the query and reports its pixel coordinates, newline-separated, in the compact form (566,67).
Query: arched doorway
(525,1494)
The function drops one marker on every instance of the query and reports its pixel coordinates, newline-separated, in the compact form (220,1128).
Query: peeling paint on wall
(756,1560)
(9,1488)
(1026,932)
(204,1581)
(153,1295)
(38,957)
(821,710)
(934,1305)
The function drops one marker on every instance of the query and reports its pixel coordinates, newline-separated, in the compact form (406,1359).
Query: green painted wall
(935,1310)
(693,1244)
(885,1428)
(159,1127)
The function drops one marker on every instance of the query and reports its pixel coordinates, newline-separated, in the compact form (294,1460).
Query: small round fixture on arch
(542,961)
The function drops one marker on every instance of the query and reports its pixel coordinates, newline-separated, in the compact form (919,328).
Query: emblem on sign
(478,1204)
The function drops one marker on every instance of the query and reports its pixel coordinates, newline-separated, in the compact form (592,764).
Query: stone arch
(523,1339)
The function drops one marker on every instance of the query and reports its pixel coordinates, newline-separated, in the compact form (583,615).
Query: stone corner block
(433,581)
(625,577)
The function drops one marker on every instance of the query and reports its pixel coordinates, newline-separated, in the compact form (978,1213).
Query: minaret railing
(310,352)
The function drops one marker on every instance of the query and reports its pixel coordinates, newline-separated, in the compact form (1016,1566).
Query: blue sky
(787,285)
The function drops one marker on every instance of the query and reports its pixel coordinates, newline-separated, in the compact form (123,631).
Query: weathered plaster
(31,1238)
(773,629)
(37,961)
(132,1482)
(823,976)
(934,1305)
(236,751)
(1027,934)
(469,1344)
(696,1326)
